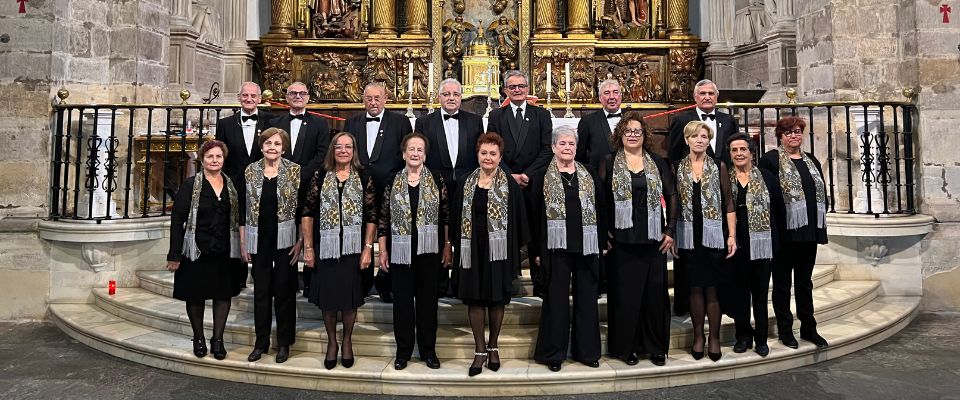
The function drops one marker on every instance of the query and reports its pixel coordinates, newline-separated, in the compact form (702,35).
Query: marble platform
(145,325)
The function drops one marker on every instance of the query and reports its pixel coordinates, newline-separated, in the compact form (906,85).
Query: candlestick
(486,113)
(566,68)
(410,77)
(549,77)
(550,102)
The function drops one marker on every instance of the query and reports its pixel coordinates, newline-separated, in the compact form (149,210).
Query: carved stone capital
(97,257)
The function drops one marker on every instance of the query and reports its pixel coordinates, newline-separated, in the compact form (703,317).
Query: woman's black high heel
(473,371)
(217,349)
(698,354)
(330,364)
(494,366)
(714,356)
(199,347)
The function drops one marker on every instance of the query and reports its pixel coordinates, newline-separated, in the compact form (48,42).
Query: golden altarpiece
(337,46)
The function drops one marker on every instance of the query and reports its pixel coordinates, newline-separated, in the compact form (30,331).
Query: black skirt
(703,266)
(336,285)
(488,283)
(211,276)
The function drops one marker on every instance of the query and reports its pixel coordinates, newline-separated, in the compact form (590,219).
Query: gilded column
(678,18)
(384,17)
(546,17)
(281,18)
(416,18)
(578,16)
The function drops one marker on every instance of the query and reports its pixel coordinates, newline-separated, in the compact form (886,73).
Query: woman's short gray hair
(563,131)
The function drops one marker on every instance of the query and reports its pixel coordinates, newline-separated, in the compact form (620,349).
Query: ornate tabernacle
(337,46)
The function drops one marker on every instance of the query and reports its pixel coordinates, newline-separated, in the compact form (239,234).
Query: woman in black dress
(803,225)
(566,226)
(414,245)
(342,201)
(489,222)
(754,193)
(270,237)
(639,237)
(704,188)
(205,246)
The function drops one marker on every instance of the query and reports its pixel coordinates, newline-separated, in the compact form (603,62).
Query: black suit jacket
(312,142)
(726,127)
(593,139)
(386,159)
(438,159)
(238,156)
(527,146)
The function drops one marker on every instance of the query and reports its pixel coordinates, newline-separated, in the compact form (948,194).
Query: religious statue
(507,36)
(454,31)
(499,6)
(629,19)
(751,23)
(459,6)
(649,81)
(336,18)
(206,22)
(353,89)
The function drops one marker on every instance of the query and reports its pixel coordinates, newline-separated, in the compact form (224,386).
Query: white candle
(567,83)
(430,84)
(489,79)
(410,78)
(549,77)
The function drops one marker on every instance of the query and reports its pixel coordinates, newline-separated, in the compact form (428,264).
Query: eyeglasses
(340,147)
(450,94)
(298,94)
(633,132)
(515,87)
(372,98)
(793,132)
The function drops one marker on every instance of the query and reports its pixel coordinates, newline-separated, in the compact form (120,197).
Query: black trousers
(415,305)
(750,286)
(275,282)
(796,259)
(555,318)
(381,281)
(639,306)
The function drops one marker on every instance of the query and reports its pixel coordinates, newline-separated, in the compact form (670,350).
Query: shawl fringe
(623,214)
(557,234)
(465,254)
(590,240)
(761,245)
(400,249)
(352,240)
(329,247)
(498,246)
(427,239)
(251,234)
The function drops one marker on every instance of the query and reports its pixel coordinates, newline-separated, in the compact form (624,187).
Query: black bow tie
(454,116)
(617,115)
(711,116)
(371,119)
(298,116)
(245,118)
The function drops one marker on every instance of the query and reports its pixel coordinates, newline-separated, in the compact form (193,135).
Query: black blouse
(312,202)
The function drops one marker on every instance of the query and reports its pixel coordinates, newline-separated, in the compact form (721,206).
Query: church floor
(39,361)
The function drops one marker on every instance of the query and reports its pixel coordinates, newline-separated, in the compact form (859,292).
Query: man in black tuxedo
(309,139)
(595,128)
(240,132)
(705,95)
(452,134)
(378,133)
(526,130)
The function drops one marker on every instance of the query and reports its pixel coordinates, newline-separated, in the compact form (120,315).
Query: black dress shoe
(399,364)
(591,364)
(330,364)
(199,347)
(714,356)
(474,371)
(789,340)
(494,366)
(762,349)
(432,362)
(742,345)
(283,354)
(814,338)
(555,366)
(346,362)
(632,359)
(386,297)
(256,354)
(659,359)
(217,349)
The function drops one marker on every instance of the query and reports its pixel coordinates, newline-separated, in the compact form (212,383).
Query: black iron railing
(127,161)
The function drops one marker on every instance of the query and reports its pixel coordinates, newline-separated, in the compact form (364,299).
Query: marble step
(453,340)
(450,311)
(857,329)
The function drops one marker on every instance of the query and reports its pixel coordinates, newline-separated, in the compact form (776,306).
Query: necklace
(569,182)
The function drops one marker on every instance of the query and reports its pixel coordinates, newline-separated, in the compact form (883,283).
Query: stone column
(238,58)
(578,17)
(781,14)
(180,12)
(416,18)
(678,18)
(281,18)
(546,17)
(384,18)
(721,15)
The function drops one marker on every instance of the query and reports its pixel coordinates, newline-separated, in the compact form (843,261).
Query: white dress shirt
(294,132)
(612,121)
(373,129)
(514,107)
(451,128)
(712,123)
(249,130)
